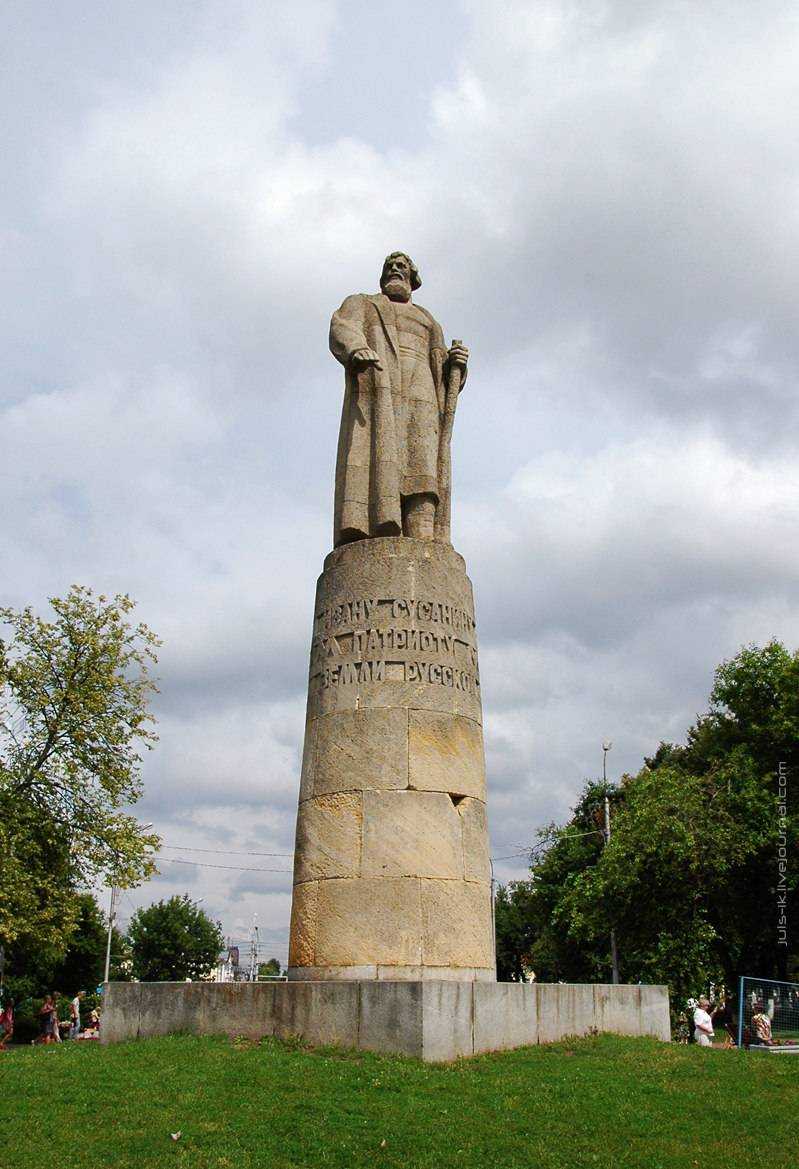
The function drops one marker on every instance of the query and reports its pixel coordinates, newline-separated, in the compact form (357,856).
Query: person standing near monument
(74,1015)
(703,1023)
(401,383)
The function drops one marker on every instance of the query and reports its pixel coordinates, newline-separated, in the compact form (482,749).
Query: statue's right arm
(347,329)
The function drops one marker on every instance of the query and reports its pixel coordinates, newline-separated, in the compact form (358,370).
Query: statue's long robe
(388,444)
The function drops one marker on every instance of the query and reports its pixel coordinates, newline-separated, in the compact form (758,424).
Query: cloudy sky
(603,199)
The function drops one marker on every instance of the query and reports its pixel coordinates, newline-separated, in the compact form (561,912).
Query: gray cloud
(602,201)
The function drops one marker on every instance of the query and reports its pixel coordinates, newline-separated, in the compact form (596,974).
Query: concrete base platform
(430,1020)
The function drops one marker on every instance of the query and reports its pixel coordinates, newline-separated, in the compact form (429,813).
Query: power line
(129,900)
(260,946)
(555,839)
(222,851)
(174,860)
(570,835)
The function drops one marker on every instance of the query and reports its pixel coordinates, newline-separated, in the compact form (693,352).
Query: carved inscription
(405,609)
(395,639)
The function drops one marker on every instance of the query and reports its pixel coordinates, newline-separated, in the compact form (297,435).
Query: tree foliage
(173,940)
(33,971)
(83,964)
(688,879)
(531,932)
(73,716)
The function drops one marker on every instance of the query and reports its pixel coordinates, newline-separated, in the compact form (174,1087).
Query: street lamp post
(110,931)
(114,891)
(614,957)
(493,914)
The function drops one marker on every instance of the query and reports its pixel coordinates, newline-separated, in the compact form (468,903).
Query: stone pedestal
(392,874)
(429,1020)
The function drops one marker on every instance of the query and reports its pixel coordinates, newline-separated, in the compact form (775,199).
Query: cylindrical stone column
(391,869)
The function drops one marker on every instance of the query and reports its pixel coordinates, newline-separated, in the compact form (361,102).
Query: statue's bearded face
(396,279)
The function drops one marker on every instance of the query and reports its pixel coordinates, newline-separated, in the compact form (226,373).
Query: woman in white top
(703,1024)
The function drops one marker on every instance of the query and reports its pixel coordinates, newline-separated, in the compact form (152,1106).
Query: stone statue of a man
(392,470)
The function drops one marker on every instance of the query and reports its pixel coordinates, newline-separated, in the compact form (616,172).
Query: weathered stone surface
(320,1012)
(476,863)
(361,750)
(411,834)
(393,692)
(388,973)
(433,1020)
(404,568)
(618,1008)
(402,387)
(394,626)
(391,1017)
(505,1016)
(121,1010)
(445,754)
(378,583)
(308,760)
(447,1020)
(456,919)
(565,1009)
(333,973)
(394,715)
(655,1018)
(365,921)
(329,837)
(302,932)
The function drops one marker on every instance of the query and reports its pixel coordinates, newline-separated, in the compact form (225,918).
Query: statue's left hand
(458,355)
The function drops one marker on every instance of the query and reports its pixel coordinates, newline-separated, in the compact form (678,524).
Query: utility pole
(614,957)
(493,915)
(110,930)
(253,971)
(114,892)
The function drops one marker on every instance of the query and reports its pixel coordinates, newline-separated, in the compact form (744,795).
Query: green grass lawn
(607,1102)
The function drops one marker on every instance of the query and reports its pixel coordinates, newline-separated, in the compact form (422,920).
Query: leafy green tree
(35,970)
(751,728)
(173,940)
(83,964)
(73,715)
(679,845)
(530,931)
(269,969)
(688,880)
(518,925)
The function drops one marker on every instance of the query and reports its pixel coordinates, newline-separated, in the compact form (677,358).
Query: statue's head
(400,276)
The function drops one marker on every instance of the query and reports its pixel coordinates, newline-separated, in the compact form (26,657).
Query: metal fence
(768,1014)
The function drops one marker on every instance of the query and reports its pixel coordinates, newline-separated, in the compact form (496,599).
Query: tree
(518,925)
(83,964)
(689,878)
(173,940)
(679,846)
(530,931)
(34,970)
(750,732)
(73,713)
(269,969)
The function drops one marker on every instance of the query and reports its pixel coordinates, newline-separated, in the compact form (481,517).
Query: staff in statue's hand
(457,359)
(458,356)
